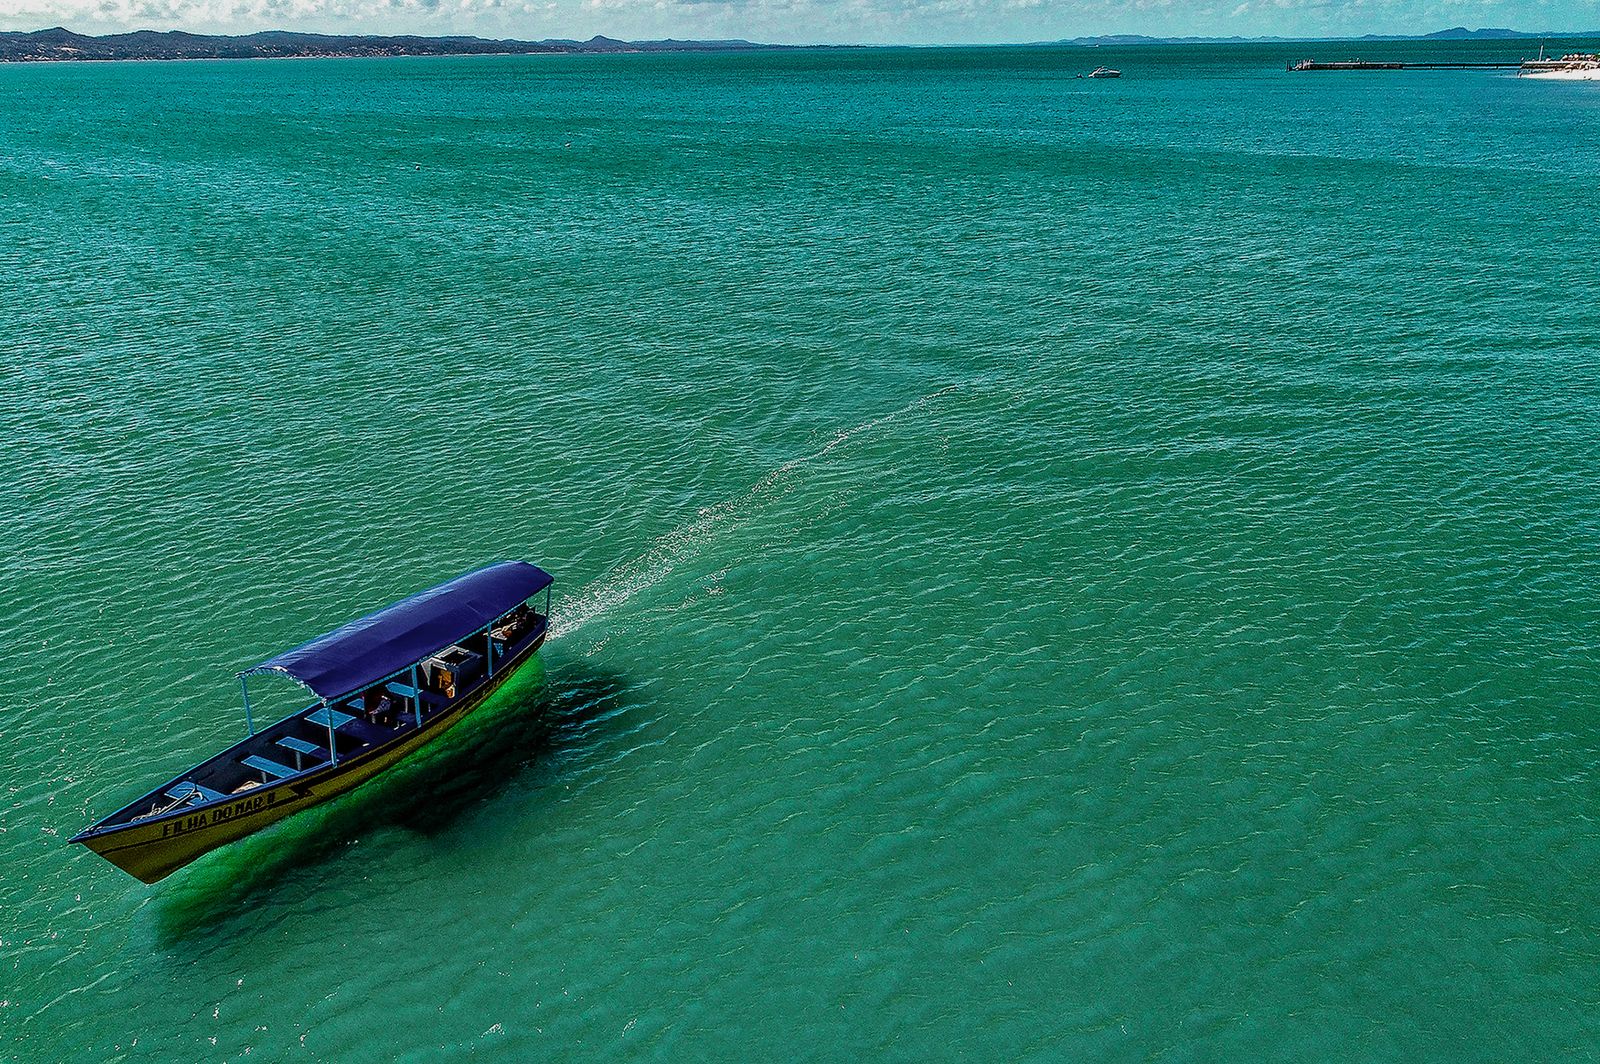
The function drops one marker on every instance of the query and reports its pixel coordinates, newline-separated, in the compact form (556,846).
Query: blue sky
(807,21)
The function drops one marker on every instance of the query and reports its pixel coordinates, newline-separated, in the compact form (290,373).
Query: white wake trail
(671,550)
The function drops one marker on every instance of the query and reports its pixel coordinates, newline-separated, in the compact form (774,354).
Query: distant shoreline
(50,60)
(59,45)
(62,45)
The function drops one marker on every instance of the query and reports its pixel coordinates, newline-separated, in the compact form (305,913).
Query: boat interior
(350,726)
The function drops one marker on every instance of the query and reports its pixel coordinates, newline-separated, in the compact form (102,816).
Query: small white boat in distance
(1104,72)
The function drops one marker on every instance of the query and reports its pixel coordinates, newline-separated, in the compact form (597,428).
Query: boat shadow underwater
(542,712)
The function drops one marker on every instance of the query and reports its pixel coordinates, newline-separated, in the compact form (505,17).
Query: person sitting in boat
(513,624)
(382,709)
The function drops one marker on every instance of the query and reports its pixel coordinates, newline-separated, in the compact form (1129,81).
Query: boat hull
(150,850)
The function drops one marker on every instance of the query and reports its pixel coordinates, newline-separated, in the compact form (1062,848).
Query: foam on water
(691,541)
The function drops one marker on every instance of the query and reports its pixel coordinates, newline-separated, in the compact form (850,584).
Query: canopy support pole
(488,634)
(333,745)
(547,608)
(244,689)
(416,687)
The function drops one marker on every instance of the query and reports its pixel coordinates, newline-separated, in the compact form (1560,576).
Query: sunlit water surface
(1048,569)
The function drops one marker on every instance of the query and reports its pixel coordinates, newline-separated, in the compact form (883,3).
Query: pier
(1359,64)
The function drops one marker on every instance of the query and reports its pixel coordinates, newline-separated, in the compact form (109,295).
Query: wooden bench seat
(330,718)
(302,750)
(189,789)
(270,769)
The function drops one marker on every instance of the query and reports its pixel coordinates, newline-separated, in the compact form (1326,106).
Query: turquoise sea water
(1048,569)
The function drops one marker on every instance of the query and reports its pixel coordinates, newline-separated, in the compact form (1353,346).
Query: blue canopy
(382,644)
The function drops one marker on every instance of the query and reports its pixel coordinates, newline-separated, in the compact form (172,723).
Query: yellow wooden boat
(385,685)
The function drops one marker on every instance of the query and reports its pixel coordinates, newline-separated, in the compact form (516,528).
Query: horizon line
(1082,40)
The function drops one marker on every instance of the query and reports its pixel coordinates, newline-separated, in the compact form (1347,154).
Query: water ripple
(1122,554)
